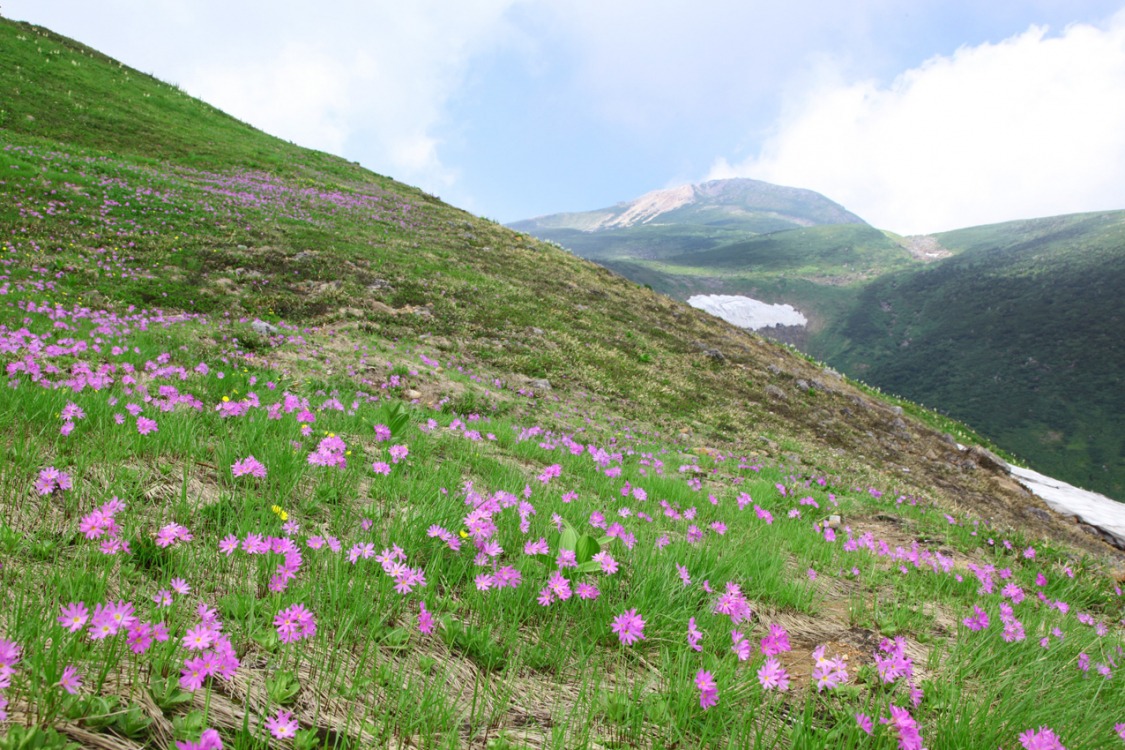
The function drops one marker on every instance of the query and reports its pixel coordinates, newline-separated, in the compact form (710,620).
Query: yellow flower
(464,534)
(284,516)
(226,399)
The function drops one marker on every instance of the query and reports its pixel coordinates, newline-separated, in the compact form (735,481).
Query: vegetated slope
(1019,335)
(280,459)
(819,270)
(685,219)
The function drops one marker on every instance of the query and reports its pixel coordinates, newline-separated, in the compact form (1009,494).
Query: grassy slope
(1019,335)
(143,242)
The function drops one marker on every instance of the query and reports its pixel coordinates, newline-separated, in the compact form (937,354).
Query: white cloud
(367,80)
(371,83)
(1030,126)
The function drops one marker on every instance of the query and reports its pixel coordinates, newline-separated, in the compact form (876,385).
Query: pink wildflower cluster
(382,433)
(1013,628)
(393,561)
(828,673)
(70,413)
(102,522)
(891,660)
(439,532)
(629,627)
(734,604)
(286,570)
(10,655)
(248,466)
(1042,739)
(551,472)
(294,623)
(209,740)
(976,621)
(51,480)
(331,451)
(708,689)
(772,676)
(172,533)
(694,635)
(905,726)
(776,642)
(216,655)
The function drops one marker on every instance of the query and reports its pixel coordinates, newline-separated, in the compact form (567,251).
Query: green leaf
(569,539)
(132,723)
(586,548)
(396,639)
(282,687)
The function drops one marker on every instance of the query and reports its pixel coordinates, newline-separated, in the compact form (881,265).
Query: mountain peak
(760,206)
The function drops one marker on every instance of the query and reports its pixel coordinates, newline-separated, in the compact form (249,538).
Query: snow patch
(745,312)
(1089,507)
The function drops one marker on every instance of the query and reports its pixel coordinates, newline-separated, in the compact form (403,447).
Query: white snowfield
(1089,507)
(745,312)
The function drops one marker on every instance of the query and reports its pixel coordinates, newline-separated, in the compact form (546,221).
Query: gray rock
(263,328)
(541,384)
(715,355)
(774,392)
(802,384)
(988,460)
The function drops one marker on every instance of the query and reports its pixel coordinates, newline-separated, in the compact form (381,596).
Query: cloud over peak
(1028,126)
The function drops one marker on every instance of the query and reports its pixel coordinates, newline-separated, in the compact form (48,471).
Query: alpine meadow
(295,455)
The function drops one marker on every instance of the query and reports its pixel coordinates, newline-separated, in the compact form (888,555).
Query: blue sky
(919,116)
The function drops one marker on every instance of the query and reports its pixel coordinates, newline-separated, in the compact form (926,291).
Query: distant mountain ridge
(687,218)
(714,201)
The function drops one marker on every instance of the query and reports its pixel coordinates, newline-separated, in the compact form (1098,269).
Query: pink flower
(398,453)
(1044,739)
(708,689)
(629,627)
(381,467)
(537,547)
(248,465)
(587,591)
(978,620)
(146,425)
(606,561)
(865,723)
(382,432)
(694,635)
(776,642)
(52,480)
(209,740)
(773,676)
(282,725)
(74,616)
(294,623)
(425,619)
(71,681)
(198,638)
(906,727)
